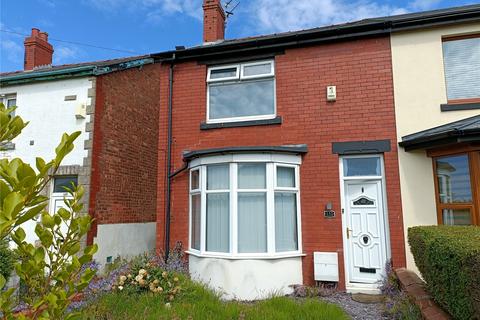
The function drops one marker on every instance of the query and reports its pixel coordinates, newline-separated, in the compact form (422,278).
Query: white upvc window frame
(270,190)
(238,78)
(5,98)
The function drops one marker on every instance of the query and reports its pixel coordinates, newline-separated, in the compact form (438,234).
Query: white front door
(365,231)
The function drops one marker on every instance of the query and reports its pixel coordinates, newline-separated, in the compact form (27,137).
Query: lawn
(198,302)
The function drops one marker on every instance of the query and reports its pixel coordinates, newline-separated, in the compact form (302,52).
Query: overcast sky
(148,26)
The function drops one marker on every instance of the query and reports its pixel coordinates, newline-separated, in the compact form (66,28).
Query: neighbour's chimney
(213,21)
(38,51)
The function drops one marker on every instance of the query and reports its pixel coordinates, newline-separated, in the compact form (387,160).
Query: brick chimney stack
(38,51)
(213,21)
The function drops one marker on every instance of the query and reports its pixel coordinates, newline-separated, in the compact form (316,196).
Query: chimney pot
(38,51)
(213,21)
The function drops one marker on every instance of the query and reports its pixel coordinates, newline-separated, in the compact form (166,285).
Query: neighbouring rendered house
(278,155)
(436,76)
(114,157)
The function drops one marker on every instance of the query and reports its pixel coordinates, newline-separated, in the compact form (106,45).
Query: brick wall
(125,141)
(364,110)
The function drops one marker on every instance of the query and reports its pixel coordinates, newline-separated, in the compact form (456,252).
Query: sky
(133,27)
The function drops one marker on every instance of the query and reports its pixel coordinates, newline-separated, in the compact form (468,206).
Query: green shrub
(449,259)
(6,259)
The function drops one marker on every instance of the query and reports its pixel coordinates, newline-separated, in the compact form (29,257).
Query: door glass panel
(456,217)
(362,167)
(62,182)
(453,176)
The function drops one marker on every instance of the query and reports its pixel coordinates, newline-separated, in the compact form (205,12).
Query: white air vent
(325,266)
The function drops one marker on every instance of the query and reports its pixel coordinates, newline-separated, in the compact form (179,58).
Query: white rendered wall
(49,115)
(44,106)
(247,279)
(124,240)
(419,89)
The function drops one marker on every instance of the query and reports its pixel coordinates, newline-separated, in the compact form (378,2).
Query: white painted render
(124,240)
(245,279)
(43,105)
(419,89)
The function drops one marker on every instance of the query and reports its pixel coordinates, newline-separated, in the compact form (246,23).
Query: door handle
(348,232)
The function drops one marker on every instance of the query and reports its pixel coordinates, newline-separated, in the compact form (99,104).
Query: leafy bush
(6,259)
(449,259)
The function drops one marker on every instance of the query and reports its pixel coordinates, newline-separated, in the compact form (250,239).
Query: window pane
(218,222)
(453,176)
(462,68)
(285,177)
(456,217)
(11,102)
(362,167)
(252,222)
(195,183)
(60,183)
(239,99)
(223,73)
(251,176)
(258,69)
(218,177)
(196,216)
(285,222)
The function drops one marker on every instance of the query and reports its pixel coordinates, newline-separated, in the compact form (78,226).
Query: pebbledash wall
(50,114)
(364,110)
(124,157)
(417,59)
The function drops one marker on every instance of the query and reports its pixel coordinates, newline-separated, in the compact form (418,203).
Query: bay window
(244,208)
(241,92)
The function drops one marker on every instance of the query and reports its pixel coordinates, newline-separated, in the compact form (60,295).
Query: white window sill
(246,257)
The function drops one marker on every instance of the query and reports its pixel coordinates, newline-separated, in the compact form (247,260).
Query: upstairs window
(461,58)
(241,92)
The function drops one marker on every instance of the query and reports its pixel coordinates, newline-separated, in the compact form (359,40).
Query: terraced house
(281,162)
(120,188)
(436,76)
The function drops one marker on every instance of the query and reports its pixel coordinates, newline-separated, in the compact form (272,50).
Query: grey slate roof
(465,130)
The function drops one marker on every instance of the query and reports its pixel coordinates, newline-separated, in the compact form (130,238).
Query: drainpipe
(169,161)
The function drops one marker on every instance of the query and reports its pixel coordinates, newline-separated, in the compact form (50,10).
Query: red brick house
(268,170)
(278,155)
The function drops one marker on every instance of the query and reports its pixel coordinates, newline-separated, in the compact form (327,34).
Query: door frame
(363,287)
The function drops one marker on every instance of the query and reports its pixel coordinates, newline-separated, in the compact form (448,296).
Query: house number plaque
(329,214)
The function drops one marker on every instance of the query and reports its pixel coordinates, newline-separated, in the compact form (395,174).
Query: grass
(198,302)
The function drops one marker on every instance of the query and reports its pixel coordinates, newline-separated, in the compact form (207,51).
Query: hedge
(6,259)
(448,258)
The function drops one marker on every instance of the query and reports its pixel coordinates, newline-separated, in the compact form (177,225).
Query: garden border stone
(415,288)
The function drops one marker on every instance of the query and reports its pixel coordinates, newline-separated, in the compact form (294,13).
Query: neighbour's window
(454,189)
(241,92)
(461,57)
(9,100)
(251,208)
(62,182)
